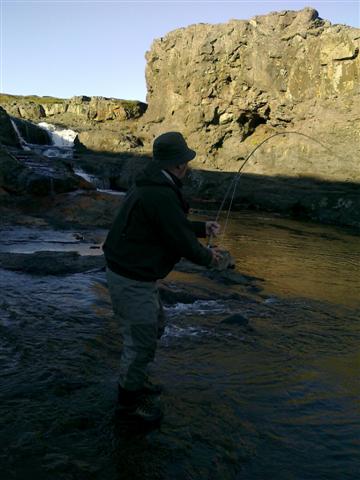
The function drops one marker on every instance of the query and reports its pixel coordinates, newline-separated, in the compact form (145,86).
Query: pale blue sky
(64,48)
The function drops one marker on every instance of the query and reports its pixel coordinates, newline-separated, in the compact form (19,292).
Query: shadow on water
(257,385)
(300,196)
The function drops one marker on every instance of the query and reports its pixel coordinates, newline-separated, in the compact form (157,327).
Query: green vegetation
(5,98)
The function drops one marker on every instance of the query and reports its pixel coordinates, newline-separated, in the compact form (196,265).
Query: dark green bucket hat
(170,149)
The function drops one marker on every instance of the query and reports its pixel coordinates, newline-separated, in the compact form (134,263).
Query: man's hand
(212,229)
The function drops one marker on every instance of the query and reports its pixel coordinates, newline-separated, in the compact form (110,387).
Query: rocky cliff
(89,110)
(229,86)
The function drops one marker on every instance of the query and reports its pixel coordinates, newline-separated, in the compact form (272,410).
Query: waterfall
(62,141)
(60,137)
(23,143)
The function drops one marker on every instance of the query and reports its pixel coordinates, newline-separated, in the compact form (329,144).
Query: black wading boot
(138,405)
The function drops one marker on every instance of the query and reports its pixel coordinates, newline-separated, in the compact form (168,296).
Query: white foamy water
(62,141)
(176,331)
(84,175)
(101,184)
(111,192)
(60,137)
(199,307)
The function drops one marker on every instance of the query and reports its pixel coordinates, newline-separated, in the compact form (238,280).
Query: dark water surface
(275,399)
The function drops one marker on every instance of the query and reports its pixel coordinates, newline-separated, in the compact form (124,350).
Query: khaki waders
(139,311)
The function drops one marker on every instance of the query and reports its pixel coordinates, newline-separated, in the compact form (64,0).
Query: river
(275,396)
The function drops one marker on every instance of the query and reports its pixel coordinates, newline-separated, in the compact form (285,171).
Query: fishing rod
(234,182)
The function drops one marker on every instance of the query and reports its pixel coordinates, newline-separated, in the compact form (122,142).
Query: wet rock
(118,171)
(31,133)
(227,276)
(171,294)
(28,173)
(51,263)
(236,319)
(231,277)
(8,135)
(11,173)
(194,289)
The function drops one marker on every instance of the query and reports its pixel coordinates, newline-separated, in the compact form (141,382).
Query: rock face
(97,109)
(229,86)
(7,133)
(31,133)
(104,140)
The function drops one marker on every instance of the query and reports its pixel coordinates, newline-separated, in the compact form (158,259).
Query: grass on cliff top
(5,98)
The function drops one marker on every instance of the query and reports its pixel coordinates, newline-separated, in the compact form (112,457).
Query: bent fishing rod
(234,182)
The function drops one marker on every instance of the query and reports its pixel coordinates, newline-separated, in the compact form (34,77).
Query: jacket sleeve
(199,228)
(175,229)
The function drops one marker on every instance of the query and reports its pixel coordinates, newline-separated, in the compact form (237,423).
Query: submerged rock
(236,319)
(51,263)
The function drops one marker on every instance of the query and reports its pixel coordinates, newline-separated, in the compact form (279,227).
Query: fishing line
(234,182)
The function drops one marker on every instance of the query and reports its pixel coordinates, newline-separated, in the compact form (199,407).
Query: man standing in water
(149,236)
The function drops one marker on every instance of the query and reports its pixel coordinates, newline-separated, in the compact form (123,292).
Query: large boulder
(28,173)
(230,86)
(26,109)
